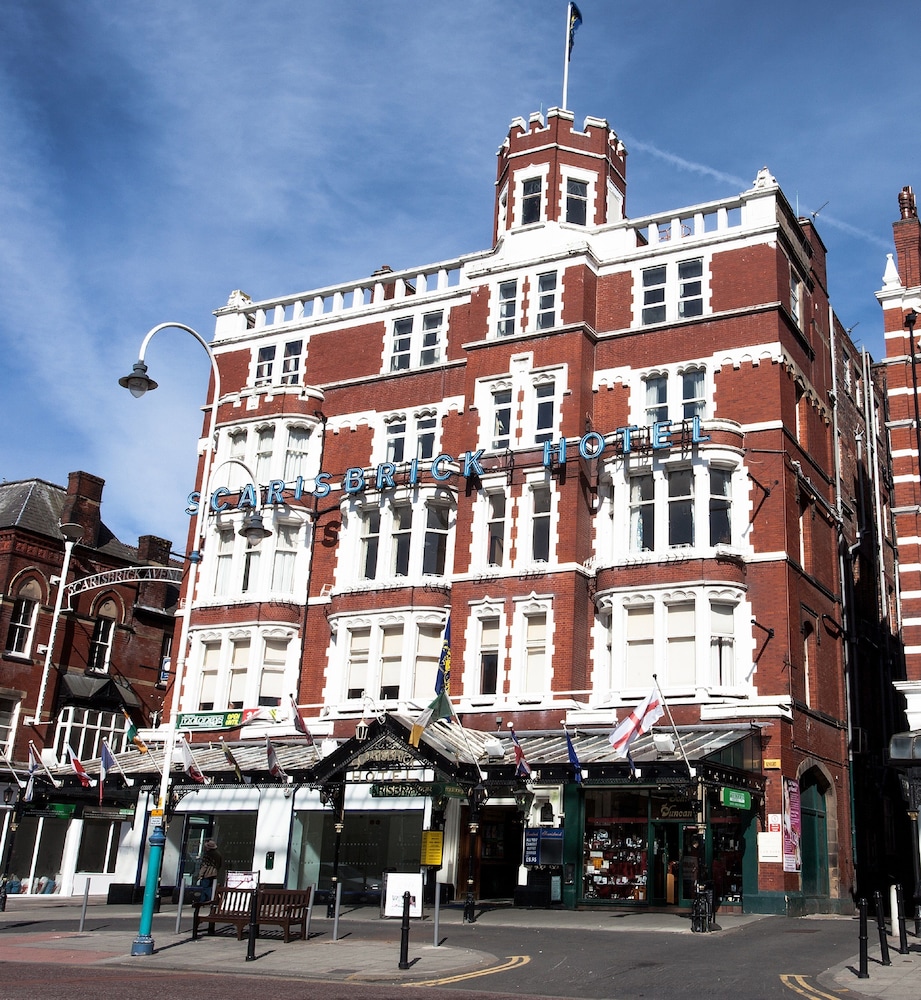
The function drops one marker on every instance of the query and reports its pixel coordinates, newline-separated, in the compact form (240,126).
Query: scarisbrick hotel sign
(622,442)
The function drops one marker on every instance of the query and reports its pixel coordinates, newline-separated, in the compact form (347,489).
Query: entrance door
(693,862)
(814,837)
(499,844)
(665,868)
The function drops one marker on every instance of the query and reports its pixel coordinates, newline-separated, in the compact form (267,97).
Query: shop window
(98,849)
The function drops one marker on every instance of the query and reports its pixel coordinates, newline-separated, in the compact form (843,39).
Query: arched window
(100,653)
(21,632)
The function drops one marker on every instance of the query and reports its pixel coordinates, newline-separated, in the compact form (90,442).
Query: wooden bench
(285,908)
(229,906)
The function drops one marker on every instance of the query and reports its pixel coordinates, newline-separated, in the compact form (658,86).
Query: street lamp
(138,382)
(72,534)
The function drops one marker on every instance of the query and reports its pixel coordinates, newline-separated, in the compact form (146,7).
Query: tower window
(576,202)
(530,201)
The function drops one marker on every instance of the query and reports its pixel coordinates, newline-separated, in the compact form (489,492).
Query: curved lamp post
(138,382)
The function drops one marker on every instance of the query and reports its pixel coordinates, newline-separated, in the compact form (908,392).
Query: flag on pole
(575,19)
(573,756)
(34,765)
(522,767)
(132,734)
(440,708)
(299,723)
(232,761)
(639,721)
(41,765)
(106,763)
(188,763)
(275,768)
(79,769)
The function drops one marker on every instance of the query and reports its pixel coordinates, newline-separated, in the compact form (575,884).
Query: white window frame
(530,654)
(670,291)
(20,634)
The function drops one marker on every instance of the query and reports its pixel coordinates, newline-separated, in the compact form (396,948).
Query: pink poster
(792,827)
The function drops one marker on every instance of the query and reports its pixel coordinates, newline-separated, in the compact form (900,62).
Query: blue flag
(575,19)
(573,757)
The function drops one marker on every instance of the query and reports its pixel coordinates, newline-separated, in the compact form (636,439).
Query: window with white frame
(642,512)
(428,656)
(576,201)
(100,651)
(662,402)
(401,430)
(672,291)
(417,341)
(291,363)
(84,729)
(680,507)
(21,631)
(501,419)
(272,678)
(722,644)
(400,538)
(240,650)
(252,560)
(534,679)
(546,300)
(438,523)
(541,504)
(391,662)
(296,452)
(531,201)
(720,506)
(223,562)
(489,655)
(265,362)
(210,667)
(426,427)
(234,471)
(687,638)
(265,446)
(508,308)
(796,298)
(545,411)
(287,536)
(495,527)
(9,713)
(370,543)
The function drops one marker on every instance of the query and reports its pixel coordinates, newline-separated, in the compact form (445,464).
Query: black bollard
(862,973)
(903,934)
(404,933)
(253,927)
(881,925)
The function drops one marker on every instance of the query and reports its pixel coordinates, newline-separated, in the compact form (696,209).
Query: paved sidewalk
(368,949)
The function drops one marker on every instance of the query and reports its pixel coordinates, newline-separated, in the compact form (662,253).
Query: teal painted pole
(144,942)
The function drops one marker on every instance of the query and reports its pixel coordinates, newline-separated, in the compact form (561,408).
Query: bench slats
(285,908)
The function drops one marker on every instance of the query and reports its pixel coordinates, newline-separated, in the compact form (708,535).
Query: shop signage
(772,763)
(201,721)
(432,848)
(736,798)
(543,845)
(679,809)
(622,441)
(108,812)
(54,810)
(404,789)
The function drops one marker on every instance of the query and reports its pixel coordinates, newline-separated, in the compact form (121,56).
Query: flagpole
(691,771)
(566,55)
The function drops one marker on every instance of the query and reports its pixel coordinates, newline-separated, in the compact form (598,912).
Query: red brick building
(86,622)
(618,453)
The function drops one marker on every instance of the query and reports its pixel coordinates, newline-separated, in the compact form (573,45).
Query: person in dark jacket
(208,870)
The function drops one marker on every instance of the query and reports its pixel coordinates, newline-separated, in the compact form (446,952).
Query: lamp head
(253,529)
(138,382)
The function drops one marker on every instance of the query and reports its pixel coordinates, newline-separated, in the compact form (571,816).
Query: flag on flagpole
(440,708)
(42,766)
(106,763)
(79,769)
(188,763)
(573,756)
(639,721)
(299,723)
(522,767)
(132,734)
(34,766)
(275,768)
(232,761)
(575,19)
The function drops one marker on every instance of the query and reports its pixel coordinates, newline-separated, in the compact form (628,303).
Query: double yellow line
(800,985)
(513,962)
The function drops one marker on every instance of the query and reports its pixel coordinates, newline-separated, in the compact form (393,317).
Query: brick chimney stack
(84,498)
(907,236)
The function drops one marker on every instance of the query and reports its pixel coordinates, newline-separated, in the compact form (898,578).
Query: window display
(615,860)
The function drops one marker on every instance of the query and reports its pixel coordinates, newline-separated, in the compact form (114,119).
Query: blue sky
(157,156)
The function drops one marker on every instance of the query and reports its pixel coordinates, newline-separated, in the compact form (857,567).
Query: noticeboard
(397,883)
(543,845)
(432,848)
